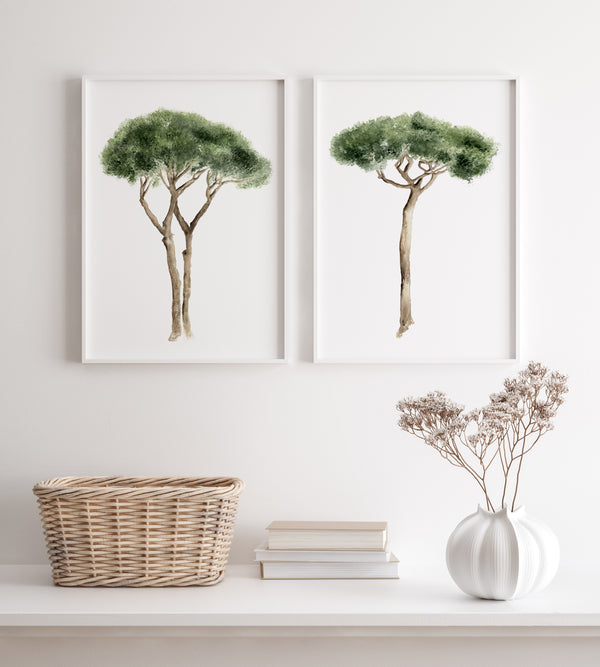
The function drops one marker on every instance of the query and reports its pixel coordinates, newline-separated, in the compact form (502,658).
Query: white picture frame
(344,195)
(238,304)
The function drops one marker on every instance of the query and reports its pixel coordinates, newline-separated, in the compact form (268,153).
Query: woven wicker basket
(138,531)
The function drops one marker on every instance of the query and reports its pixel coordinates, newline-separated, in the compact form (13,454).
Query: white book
(264,554)
(327,535)
(295,570)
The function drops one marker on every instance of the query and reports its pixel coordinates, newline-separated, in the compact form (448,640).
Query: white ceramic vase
(502,555)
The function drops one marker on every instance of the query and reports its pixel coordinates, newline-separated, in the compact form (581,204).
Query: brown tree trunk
(175,286)
(404,250)
(187,285)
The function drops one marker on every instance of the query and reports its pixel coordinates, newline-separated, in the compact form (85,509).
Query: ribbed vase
(502,555)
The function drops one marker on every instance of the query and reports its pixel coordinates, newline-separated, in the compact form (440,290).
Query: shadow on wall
(19,521)
(72,219)
(245,540)
(302,219)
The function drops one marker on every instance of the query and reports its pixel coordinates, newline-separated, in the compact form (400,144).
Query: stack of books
(326,550)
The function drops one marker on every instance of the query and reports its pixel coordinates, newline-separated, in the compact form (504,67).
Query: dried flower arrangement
(503,431)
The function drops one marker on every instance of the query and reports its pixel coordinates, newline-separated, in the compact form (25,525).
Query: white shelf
(422,603)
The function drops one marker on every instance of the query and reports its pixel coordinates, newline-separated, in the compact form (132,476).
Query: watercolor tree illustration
(177,149)
(421,148)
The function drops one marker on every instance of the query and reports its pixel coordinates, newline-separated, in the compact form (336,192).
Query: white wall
(310,441)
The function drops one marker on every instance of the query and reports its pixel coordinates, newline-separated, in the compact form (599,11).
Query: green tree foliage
(177,148)
(465,152)
(421,149)
(163,139)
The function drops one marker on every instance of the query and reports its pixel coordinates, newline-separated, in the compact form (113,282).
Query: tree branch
(169,215)
(403,170)
(185,228)
(182,173)
(384,178)
(399,161)
(429,168)
(432,178)
(144,185)
(191,180)
(213,185)
(201,212)
(162,178)
(232,180)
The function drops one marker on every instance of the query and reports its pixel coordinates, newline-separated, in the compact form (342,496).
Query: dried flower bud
(501,432)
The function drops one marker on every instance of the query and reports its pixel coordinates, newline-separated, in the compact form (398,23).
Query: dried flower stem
(504,430)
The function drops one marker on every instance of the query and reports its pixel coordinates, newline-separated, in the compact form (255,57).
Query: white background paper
(462,258)
(237,262)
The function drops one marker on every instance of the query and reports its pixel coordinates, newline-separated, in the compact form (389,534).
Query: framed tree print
(416,220)
(183,208)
